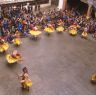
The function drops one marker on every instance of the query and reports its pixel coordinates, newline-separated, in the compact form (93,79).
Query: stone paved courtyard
(58,65)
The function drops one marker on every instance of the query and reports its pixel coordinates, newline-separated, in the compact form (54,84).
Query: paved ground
(58,65)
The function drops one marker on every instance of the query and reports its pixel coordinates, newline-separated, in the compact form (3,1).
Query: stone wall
(54,2)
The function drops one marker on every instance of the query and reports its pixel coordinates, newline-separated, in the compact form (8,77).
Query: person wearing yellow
(49,29)
(73,30)
(60,27)
(25,81)
(17,41)
(93,78)
(3,45)
(84,34)
(35,33)
(94,35)
(14,57)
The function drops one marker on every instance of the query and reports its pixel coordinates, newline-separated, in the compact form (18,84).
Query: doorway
(78,6)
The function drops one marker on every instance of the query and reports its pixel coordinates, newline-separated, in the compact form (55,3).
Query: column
(62,4)
(35,6)
(21,7)
(0,11)
(89,11)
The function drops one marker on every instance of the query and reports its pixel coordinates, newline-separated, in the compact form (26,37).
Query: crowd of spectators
(23,20)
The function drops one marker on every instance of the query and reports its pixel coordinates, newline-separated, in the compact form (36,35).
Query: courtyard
(58,64)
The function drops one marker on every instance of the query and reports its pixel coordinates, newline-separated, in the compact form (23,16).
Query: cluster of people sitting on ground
(23,23)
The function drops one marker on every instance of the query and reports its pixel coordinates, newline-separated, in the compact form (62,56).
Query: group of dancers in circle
(15,56)
(34,33)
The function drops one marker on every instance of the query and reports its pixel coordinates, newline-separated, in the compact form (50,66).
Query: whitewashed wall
(60,4)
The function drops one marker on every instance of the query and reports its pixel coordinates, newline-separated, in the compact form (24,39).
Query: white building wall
(60,4)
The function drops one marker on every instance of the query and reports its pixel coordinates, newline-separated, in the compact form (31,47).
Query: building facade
(62,4)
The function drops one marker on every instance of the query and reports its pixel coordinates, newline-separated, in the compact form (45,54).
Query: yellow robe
(84,34)
(11,59)
(4,47)
(49,30)
(28,83)
(60,29)
(35,33)
(16,41)
(73,32)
